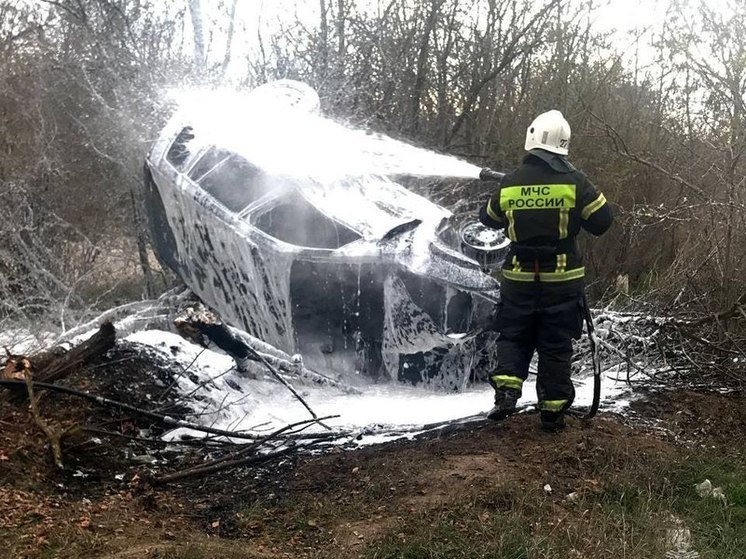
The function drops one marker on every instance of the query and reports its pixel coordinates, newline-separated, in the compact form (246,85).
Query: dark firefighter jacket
(542,206)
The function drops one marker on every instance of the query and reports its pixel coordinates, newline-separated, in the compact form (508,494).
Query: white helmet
(549,131)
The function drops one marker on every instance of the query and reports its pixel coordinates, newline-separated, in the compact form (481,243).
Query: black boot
(552,421)
(505,401)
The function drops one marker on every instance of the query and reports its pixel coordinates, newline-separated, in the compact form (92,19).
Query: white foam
(266,131)
(231,401)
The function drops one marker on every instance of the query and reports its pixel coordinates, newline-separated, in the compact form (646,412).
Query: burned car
(350,269)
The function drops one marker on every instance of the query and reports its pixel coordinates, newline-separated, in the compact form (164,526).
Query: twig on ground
(198,322)
(165,419)
(53,435)
(234,458)
(255,459)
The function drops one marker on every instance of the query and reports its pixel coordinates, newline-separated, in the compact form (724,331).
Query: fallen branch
(197,323)
(290,365)
(132,316)
(287,385)
(735,310)
(53,435)
(200,322)
(165,419)
(256,459)
(202,442)
(235,458)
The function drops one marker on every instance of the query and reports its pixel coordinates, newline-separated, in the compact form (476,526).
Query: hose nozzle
(488,174)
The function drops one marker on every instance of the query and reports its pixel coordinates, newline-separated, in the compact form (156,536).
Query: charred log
(53,366)
(57,363)
(199,325)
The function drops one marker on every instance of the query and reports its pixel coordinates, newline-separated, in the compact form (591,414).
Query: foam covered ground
(221,397)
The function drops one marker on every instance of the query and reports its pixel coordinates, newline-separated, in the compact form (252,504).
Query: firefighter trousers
(542,318)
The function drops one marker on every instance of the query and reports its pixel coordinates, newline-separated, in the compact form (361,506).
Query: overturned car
(334,260)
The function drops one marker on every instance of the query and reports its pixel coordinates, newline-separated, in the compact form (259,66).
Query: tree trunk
(229,39)
(422,58)
(323,41)
(195,10)
(141,235)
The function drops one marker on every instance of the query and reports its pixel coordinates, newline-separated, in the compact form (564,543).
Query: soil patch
(708,419)
(420,497)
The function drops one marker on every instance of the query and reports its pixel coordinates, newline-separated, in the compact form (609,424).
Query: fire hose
(595,360)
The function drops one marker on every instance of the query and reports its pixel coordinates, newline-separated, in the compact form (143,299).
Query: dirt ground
(409,498)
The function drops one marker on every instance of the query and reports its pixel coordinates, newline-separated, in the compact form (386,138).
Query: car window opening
(297,222)
(338,314)
(179,151)
(229,178)
(449,309)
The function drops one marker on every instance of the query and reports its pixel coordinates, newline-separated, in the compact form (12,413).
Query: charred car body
(354,272)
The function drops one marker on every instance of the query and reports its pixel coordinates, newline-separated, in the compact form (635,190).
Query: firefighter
(542,205)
